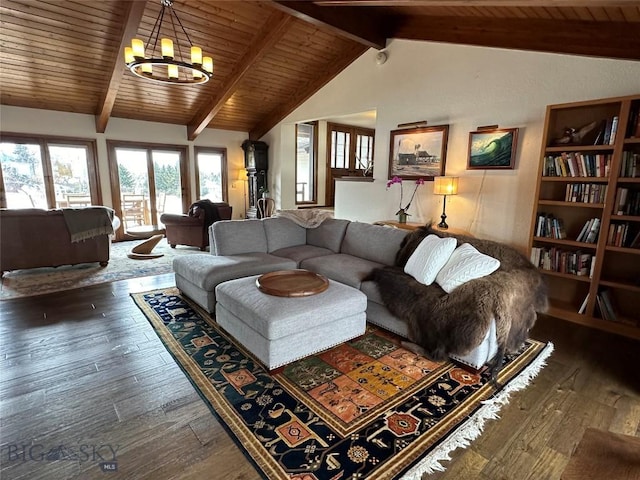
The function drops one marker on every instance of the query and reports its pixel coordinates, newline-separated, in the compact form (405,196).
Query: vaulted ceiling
(270,56)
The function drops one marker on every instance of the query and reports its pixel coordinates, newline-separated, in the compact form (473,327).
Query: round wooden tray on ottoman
(292,283)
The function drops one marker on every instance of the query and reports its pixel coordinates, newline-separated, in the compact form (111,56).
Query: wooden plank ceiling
(270,56)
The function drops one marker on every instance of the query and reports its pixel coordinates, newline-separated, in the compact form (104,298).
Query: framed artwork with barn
(492,148)
(418,152)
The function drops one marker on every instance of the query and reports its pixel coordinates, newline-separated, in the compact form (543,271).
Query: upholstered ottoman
(279,330)
(197,275)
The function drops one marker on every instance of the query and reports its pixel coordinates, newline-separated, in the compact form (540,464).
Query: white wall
(465,87)
(462,86)
(46,122)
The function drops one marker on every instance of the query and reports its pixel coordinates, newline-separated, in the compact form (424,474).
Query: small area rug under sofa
(43,280)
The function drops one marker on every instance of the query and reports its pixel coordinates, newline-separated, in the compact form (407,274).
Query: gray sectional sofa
(341,250)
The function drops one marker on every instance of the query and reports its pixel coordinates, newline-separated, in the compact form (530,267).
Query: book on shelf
(620,235)
(583,233)
(583,307)
(607,132)
(585,193)
(550,227)
(592,236)
(572,164)
(624,234)
(559,230)
(611,233)
(633,203)
(589,164)
(589,232)
(562,167)
(621,200)
(607,309)
(603,312)
(584,264)
(603,164)
(562,261)
(630,166)
(614,130)
(540,225)
(535,256)
(599,140)
(627,201)
(633,127)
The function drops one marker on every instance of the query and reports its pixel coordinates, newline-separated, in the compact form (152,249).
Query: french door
(146,181)
(349,153)
(211,177)
(47,172)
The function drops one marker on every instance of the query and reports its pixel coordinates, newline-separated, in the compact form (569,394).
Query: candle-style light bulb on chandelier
(166,61)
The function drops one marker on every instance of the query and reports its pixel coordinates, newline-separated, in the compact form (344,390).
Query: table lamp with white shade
(445,186)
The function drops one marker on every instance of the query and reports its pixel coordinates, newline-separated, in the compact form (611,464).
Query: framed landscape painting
(418,152)
(492,148)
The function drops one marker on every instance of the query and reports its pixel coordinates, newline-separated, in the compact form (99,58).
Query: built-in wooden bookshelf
(589,178)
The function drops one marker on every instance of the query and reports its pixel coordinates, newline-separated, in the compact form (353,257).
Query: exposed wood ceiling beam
(305,91)
(274,28)
(611,39)
(134,11)
(477,3)
(346,22)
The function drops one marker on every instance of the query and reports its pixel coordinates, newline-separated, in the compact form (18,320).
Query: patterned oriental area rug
(37,281)
(365,409)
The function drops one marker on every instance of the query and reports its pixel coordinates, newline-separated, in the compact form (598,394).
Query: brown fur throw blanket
(457,322)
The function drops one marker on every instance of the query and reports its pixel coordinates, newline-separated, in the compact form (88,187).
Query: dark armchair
(193,228)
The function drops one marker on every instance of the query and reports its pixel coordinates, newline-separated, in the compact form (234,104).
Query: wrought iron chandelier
(162,65)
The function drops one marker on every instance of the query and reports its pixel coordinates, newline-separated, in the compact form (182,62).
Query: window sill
(355,179)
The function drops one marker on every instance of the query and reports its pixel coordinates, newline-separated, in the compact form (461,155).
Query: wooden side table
(454,231)
(414,225)
(404,226)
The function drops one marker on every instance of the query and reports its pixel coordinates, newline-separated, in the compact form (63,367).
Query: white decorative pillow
(429,257)
(466,263)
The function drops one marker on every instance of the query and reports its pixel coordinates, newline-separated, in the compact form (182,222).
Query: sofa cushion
(370,289)
(465,264)
(379,315)
(373,242)
(429,257)
(302,252)
(283,233)
(343,268)
(232,237)
(206,271)
(329,234)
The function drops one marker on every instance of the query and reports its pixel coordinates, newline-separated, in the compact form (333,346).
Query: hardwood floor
(84,368)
